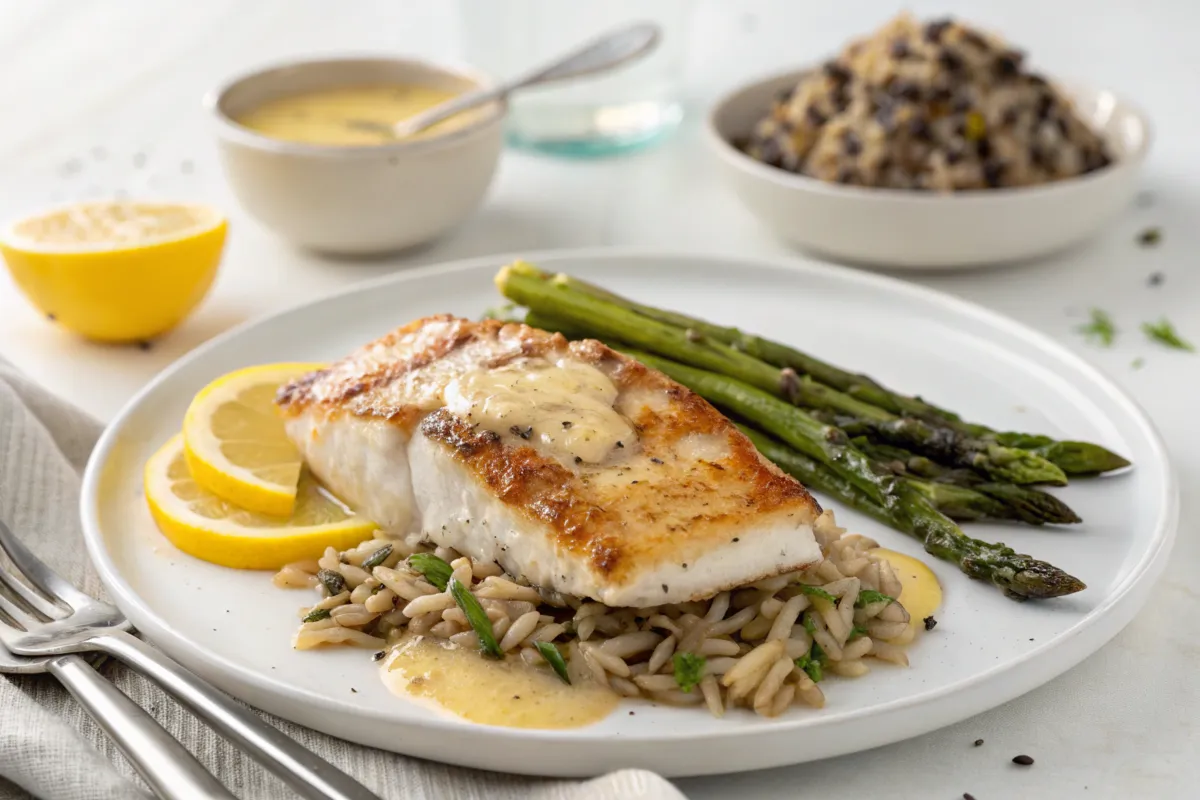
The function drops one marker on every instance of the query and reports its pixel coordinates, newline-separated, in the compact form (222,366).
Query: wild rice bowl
(935,106)
(765,646)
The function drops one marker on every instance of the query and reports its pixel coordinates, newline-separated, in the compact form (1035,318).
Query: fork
(170,771)
(90,625)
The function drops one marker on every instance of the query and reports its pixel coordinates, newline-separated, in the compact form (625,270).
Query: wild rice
(755,645)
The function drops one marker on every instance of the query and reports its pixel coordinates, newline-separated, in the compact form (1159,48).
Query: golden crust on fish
(687,509)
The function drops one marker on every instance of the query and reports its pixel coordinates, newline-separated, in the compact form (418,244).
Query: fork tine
(44,579)
(14,613)
(31,598)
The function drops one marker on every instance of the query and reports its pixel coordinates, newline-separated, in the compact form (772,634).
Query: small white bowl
(356,200)
(924,230)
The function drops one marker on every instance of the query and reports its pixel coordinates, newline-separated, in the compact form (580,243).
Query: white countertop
(90,85)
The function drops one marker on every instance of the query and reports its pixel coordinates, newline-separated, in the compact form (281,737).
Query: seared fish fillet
(568,464)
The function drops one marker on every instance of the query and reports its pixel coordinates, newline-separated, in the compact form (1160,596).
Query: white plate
(903,229)
(234,627)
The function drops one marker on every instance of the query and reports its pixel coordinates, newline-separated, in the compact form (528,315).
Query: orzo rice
(764,646)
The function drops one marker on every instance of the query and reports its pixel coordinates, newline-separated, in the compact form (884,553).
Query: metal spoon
(604,53)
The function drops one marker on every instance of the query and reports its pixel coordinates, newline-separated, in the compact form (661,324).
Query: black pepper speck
(930,623)
(1023,761)
(1150,237)
(979,742)
(1155,279)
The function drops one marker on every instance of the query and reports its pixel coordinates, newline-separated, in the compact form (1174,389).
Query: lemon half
(116,271)
(235,440)
(203,525)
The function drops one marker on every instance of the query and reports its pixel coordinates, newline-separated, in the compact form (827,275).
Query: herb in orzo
(476,616)
(550,652)
(1164,333)
(817,591)
(333,582)
(689,669)
(1099,328)
(316,615)
(868,596)
(378,557)
(435,570)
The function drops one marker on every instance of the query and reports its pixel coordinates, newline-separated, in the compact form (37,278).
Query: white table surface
(89,85)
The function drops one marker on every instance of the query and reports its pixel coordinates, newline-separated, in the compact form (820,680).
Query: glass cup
(633,106)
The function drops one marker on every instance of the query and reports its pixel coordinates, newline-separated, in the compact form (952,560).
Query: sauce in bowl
(343,116)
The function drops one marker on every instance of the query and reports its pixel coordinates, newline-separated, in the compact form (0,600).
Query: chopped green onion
(333,582)
(554,658)
(689,669)
(869,597)
(476,616)
(316,615)
(817,591)
(378,557)
(435,570)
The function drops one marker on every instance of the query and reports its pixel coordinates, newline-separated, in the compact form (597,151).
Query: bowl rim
(229,129)
(795,181)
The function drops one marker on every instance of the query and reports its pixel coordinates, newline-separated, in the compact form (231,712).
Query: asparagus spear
(1023,503)
(940,443)
(599,317)
(1019,576)
(956,502)
(1074,458)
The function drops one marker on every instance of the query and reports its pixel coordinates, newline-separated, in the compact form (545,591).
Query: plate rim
(1147,568)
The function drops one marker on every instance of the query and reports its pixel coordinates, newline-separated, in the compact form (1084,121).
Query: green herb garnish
(378,557)
(333,582)
(435,570)
(811,667)
(689,669)
(817,591)
(809,625)
(869,597)
(316,615)
(1100,329)
(554,658)
(476,616)
(1164,333)
(857,631)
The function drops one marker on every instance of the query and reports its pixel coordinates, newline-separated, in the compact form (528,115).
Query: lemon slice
(116,271)
(235,442)
(203,525)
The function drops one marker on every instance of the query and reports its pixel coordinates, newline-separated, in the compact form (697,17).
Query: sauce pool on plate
(508,693)
(335,116)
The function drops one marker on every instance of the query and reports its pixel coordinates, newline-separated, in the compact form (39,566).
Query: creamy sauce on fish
(508,693)
(565,408)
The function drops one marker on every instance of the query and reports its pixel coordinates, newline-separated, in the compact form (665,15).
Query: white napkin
(50,747)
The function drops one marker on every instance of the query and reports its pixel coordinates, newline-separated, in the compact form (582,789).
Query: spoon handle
(604,53)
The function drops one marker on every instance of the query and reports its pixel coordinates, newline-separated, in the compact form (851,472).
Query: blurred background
(103,99)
